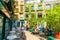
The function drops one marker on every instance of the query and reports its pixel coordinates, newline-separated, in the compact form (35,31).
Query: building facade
(33,8)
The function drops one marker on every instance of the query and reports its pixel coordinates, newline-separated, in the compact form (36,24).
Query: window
(7,27)
(18,24)
(40,8)
(27,16)
(21,8)
(26,8)
(32,7)
(16,10)
(1,5)
(39,15)
(1,24)
(48,6)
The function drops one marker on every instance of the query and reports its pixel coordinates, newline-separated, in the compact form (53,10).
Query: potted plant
(57,32)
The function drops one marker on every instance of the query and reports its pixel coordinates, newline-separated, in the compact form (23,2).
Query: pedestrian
(22,31)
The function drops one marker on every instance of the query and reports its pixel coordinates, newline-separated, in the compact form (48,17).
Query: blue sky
(48,0)
(36,1)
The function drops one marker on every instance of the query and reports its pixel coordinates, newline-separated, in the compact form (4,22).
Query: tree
(53,18)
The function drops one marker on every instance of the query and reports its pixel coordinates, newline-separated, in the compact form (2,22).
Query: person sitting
(49,31)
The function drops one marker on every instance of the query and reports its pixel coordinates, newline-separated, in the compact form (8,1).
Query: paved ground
(30,36)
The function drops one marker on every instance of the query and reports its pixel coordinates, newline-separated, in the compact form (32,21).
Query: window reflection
(32,7)
(1,24)
(48,6)
(26,8)
(40,8)
(1,6)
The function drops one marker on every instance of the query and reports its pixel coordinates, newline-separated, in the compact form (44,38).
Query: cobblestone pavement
(30,36)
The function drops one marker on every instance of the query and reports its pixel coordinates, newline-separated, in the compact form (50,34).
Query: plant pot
(57,36)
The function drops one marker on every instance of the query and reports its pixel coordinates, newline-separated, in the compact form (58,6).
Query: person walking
(22,31)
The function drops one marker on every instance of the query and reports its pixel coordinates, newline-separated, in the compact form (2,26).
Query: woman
(23,31)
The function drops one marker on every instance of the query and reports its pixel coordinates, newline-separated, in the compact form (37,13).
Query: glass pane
(1,24)
(39,15)
(48,7)
(1,5)
(26,8)
(39,7)
(33,8)
(6,27)
(26,15)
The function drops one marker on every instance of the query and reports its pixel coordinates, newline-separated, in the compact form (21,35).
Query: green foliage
(33,22)
(53,18)
(0,16)
(12,3)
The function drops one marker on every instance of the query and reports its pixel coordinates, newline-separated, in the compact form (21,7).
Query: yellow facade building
(28,8)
